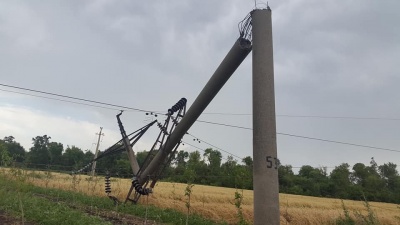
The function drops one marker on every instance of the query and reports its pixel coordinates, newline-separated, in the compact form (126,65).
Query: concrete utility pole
(265,170)
(240,49)
(97,152)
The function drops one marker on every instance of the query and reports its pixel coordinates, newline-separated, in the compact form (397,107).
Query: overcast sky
(331,59)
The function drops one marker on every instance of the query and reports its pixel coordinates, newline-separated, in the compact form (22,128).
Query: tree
(5,158)
(285,177)
(228,171)
(8,139)
(389,173)
(73,157)
(180,159)
(248,161)
(55,150)
(198,167)
(213,158)
(359,174)
(312,180)
(180,162)
(39,154)
(340,181)
(14,149)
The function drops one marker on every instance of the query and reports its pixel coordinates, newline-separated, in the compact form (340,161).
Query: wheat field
(217,203)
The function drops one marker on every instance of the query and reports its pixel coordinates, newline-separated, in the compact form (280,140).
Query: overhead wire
(186,143)
(215,146)
(201,121)
(306,116)
(61,100)
(119,107)
(75,98)
(304,137)
(208,143)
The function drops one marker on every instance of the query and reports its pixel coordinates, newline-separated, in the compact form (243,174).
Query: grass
(19,201)
(214,203)
(56,206)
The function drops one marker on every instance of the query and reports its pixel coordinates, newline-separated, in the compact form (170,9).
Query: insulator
(139,189)
(107,184)
(179,105)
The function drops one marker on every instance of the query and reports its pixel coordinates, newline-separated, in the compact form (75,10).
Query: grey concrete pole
(265,165)
(231,62)
(131,155)
(96,153)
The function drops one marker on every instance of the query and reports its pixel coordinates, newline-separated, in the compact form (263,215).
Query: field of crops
(217,203)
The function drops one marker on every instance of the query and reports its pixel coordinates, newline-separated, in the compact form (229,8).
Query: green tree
(56,151)
(340,181)
(388,171)
(198,166)
(228,178)
(359,174)
(286,178)
(14,149)
(39,155)
(5,158)
(248,161)
(312,180)
(179,164)
(213,158)
(73,157)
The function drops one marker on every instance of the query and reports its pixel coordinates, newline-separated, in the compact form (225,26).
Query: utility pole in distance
(97,152)
(265,165)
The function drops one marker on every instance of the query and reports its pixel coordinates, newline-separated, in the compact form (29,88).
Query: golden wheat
(216,203)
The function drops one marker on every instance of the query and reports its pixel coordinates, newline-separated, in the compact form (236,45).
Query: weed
(347,220)
(188,193)
(47,177)
(360,218)
(370,218)
(238,204)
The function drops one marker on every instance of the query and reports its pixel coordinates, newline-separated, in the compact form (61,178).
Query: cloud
(25,123)
(22,27)
(331,58)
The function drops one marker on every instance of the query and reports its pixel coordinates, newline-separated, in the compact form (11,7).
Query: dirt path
(6,219)
(110,216)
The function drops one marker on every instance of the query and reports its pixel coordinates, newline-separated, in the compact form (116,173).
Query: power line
(186,143)
(339,117)
(61,100)
(215,146)
(306,116)
(119,107)
(75,98)
(223,124)
(202,121)
(305,137)
(340,142)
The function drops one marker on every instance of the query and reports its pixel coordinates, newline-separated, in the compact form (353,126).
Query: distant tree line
(374,182)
